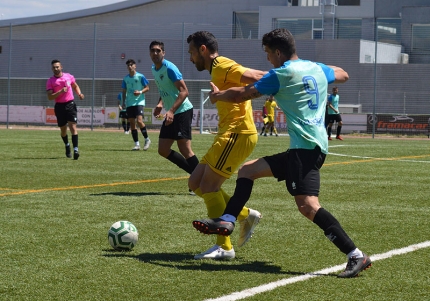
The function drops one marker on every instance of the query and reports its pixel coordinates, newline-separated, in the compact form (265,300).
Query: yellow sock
(243,214)
(215,205)
(198,192)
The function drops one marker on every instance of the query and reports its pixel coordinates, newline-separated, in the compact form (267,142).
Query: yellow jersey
(233,117)
(270,107)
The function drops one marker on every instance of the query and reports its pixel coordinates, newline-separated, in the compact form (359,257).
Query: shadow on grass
(40,158)
(185,261)
(120,193)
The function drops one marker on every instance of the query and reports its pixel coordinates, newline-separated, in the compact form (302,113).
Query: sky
(12,9)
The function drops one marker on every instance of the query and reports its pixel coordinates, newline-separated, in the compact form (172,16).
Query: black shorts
(180,128)
(123,114)
(134,111)
(334,117)
(66,112)
(299,168)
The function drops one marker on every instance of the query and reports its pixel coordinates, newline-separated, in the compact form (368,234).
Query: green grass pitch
(55,214)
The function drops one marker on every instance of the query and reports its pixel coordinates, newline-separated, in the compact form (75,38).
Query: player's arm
(183,93)
(78,90)
(340,75)
(52,96)
(158,108)
(235,94)
(250,76)
(124,95)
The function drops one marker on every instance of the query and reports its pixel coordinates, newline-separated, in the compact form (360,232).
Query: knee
(308,211)
(163,153)
(246,171)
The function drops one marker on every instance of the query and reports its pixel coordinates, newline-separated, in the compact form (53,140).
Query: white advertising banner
(25,114)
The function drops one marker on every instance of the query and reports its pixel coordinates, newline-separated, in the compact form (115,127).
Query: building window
(349,28)
(303,29)
(348,2)
(303,2)
(421,38)
(389,31)
(245,25)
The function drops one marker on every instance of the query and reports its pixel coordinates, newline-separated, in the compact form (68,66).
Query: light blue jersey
(165,77)
(131,84)
(300,90)
(334,100)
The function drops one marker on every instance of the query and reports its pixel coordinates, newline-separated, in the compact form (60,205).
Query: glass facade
(421,38)
(245,25)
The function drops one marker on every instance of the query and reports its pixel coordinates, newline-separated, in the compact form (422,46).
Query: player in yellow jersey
(270,106)
(234,142)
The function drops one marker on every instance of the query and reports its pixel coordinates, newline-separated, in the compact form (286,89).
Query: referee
(60,88)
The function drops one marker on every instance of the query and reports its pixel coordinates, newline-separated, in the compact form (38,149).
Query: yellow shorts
(270,118)
(266,120)
(229,151)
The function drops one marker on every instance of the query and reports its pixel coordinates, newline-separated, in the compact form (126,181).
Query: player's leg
(60,114)
(329,128)
(210,182)
(74,130)
(339,127)
(303,182)
(182,133)
(131,114)
(142,126)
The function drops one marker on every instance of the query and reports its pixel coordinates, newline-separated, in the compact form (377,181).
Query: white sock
(355,253)
(228,218)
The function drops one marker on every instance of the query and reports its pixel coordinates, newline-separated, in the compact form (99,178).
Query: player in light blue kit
(300,89)
(333,114)
(179,110)
(134,87)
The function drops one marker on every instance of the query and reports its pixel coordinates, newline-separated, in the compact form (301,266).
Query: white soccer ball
(123,235)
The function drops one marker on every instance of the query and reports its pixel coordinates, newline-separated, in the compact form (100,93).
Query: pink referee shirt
(57,83)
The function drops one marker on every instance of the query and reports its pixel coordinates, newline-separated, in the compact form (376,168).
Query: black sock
(241,195)
(144,132)
(65,139)
(339,127)
(333,231)
(192,162)
(134,135)
(179,160)
(128,126)
(124,126)
(75,140)
(329,131)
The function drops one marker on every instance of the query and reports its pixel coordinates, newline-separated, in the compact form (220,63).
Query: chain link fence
(383,80)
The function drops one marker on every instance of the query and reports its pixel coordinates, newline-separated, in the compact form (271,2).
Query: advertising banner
(398,124)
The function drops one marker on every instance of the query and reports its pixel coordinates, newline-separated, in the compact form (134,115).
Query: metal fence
(382,81)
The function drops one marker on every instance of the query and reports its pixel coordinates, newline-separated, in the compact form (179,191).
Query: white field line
(382,159)
(273,285)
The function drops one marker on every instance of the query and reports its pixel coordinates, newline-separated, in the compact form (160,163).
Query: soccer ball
(123,236)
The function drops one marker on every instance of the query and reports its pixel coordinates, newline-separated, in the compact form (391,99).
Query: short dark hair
(161,44)
(55,61)
(204,38)
(280,39)
(130,61)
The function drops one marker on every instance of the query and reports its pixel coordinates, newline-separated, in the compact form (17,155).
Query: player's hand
(157,112)
(81,96)
(168,118)
(137,92)
(213,92)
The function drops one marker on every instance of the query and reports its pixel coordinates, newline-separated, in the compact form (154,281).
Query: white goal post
(204,98)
